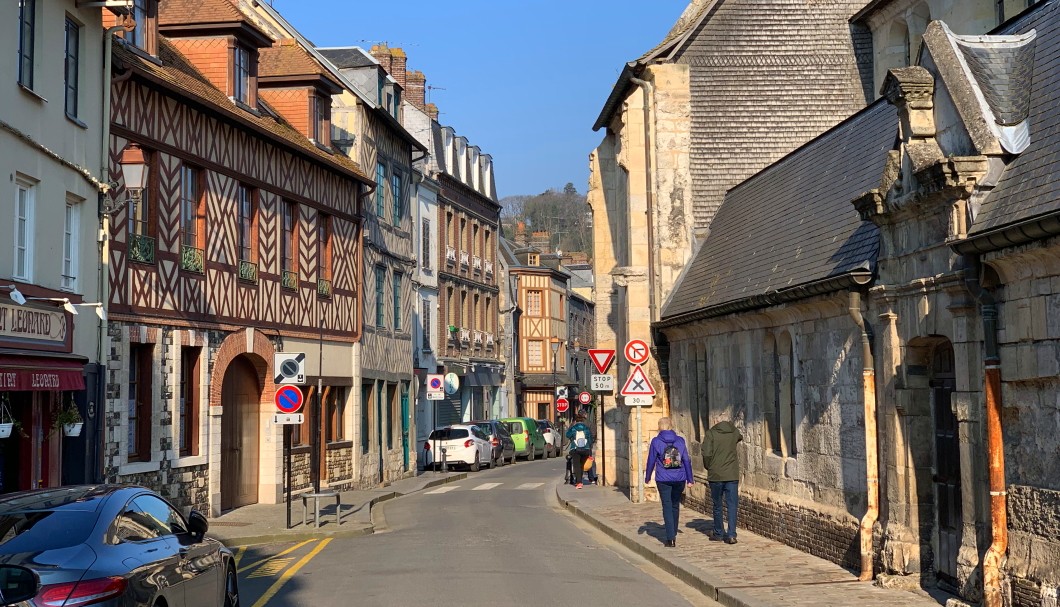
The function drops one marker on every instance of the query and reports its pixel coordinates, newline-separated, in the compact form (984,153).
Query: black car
(114,546)
(500,439)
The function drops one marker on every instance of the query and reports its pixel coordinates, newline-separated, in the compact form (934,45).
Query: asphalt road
(497,538)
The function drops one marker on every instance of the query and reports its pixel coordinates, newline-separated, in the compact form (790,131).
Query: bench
(316,497)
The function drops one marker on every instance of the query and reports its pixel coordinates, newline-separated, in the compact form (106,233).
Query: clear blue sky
(524,79)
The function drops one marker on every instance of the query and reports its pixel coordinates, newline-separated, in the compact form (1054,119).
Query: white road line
(445,489)
(486,486)
(526,486)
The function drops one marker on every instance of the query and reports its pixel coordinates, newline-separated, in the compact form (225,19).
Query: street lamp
(555,343)
(134,173)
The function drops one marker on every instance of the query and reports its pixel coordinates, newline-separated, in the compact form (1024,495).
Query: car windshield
(484,426)
(514,427)
(40,530)
(542,426)
(448,434)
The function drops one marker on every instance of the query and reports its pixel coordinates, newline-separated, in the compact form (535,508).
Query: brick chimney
(400,60)
(383,55)
(520,234)
(416,89)
(432,111)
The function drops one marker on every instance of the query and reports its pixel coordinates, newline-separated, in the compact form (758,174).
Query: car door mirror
(17,584)
(197,525)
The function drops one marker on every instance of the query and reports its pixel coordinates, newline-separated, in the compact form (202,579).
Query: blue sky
(524,79)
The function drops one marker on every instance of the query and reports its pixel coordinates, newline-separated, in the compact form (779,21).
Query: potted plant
(69,419)
(8,423)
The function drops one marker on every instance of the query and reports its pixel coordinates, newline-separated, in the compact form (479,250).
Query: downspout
(995,445)
(872,470)
(649,195)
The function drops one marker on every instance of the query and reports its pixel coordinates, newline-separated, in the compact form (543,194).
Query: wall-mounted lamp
(16,295)
(134,173)
(68,305)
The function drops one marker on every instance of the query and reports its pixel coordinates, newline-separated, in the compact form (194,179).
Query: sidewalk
(266,523)
(756,572)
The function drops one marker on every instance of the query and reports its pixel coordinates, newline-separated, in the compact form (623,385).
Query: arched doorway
(241,398)
(947,478)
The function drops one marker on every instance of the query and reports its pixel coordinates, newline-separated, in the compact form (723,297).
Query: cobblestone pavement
(754,572)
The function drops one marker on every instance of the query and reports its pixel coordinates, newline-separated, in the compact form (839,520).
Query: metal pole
(315,433)
(640,477)
(603,445)
(287,429)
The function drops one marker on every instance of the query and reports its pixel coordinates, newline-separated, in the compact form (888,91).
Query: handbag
(588,465)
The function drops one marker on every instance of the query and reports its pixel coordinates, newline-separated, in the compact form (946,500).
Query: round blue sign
(289,399)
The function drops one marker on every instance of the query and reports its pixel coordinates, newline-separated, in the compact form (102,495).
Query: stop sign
(562,405)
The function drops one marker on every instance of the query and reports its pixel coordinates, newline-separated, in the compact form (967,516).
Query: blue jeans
(670,494)
(729,490)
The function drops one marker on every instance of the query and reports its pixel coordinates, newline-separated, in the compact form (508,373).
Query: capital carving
(912,90)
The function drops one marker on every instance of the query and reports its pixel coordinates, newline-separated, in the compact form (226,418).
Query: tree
(563,214)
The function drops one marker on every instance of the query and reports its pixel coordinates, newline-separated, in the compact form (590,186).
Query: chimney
(416,89)
(432,111)
(520,234)
(383,55)
(400,60)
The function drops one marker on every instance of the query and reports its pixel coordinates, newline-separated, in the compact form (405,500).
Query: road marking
(277,555)
(238,556)
(526,486)
(486,487)
(271,568)
(271,592)
(445,489)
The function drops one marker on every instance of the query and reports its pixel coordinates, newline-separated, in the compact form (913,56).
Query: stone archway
(240,434)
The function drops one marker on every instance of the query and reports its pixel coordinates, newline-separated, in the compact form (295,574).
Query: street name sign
(435,387)
(290,368)
(636,352)
(585,398)
(638,401)
(562,405)
(638,384)
(602,359)
(602,383)
(285,419)
(288,399)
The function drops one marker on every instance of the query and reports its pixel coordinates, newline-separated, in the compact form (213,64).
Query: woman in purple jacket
(668,459)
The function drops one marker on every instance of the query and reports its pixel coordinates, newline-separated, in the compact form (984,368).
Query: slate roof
(288,58)
(1030,185)
(348,57)
(792,224)
(182,78)
(194,12)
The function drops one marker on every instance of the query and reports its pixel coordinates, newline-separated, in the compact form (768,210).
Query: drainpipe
(995,445)
(872,470)
(649,194)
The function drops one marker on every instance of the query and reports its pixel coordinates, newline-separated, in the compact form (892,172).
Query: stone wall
(340,466)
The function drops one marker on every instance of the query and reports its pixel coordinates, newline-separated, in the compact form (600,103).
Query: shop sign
(25,323)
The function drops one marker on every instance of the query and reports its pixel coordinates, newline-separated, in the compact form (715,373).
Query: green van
(529,442)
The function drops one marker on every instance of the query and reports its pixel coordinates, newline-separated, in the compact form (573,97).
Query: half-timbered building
(245,243)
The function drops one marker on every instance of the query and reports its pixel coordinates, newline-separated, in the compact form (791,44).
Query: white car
(459,444)
(552,438)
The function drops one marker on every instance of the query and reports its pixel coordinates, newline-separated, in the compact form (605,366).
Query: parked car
(553,444)
(114,545)
(503,447)
(464,444)
(529,442)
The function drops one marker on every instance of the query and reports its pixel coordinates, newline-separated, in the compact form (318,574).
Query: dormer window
(143,35)
(241,71)
(320,119)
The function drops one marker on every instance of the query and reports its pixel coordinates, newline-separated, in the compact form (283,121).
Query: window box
(192,259)
(248,271)
(141,248)
(323,287)
(289,280)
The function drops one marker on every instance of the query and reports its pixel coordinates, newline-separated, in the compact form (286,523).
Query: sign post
(289,400)
(637,353)
(562,405)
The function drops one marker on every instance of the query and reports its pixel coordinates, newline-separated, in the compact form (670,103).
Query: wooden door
(947,478)
(240,397)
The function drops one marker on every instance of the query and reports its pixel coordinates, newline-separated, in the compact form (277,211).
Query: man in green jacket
(723,473)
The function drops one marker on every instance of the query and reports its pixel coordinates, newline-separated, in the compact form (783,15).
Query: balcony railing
(476,263)
(450,255)
(289,280)
(248,271)
(489,268)
(479,338)
(465,259)
(490,340)
(141,248)
(465,336)
(192,259)
(323,287)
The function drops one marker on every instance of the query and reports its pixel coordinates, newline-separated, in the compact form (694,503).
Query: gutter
(618,92)
(1017,234)
(649,196)
(872,460)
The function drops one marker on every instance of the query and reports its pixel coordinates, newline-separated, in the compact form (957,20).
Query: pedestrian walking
(581,441)
(668,460)
(723,473)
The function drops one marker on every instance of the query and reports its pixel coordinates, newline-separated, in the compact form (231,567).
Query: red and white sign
(602,359)
(40,374)
(289,399)
(638,384)
(585,398)
(562,405)
(637,352)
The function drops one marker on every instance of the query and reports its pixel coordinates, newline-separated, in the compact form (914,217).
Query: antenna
(433,88)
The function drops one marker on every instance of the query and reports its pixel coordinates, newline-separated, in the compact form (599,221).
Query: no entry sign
(288,399)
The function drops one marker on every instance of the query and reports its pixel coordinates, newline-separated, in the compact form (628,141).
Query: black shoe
(670,543)
(730,540)
(714,537)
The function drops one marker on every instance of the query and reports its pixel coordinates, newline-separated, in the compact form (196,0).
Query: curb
(686,573)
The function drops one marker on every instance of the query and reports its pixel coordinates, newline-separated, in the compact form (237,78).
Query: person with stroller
(581,441)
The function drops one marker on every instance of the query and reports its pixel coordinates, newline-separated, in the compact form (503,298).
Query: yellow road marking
(239,554)
(271,592)
(277,555)
(271,568)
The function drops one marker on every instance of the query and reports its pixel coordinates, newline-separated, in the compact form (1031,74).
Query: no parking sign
(435,387)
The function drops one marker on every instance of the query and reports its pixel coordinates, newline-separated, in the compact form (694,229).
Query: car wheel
(231,589)
(548,452)
(475,464)
(531,454)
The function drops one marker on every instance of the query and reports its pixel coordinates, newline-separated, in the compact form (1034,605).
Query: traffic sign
(562,405)
(636,352)
(602,383)
(285,419)
(435,387)
(585,398)
(451,383)
(638,384)
(638,401)
(290,368)
(561,391)
(289,399)
(602,359)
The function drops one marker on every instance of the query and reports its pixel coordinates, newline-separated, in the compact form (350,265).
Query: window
(426,322)
(399,201)
(189,206)
(366,398)
(391,414)
(188,439)
(73,52)
(535,353)
(334,412)
(380,402)
(140,401)
(27,25)
(25,197)
(139,35)
(324,246)
(533,303)
(397,300)
(397,103)
(488,324)
(247,220)
(562,313)
(287,246)
(70,244)
(425,246)
(380,308)
(380,190)
(533,259)
(241,75)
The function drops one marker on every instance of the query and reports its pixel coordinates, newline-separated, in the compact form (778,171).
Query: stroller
(569,479)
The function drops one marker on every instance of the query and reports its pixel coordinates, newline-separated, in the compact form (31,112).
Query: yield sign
(638,384)
(602,359)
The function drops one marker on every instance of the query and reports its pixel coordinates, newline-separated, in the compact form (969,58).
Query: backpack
(580,441)
(671,457)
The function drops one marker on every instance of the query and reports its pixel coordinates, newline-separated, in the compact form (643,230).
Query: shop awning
(38,373)
(484,378)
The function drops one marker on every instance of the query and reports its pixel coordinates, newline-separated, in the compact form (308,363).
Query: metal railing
(289,280)
(479,338)
(141,248)
(476,263)
(323,287)
(450,255)
(465,336)
(192,259)
(248,271)
(465,258)
(489,268)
